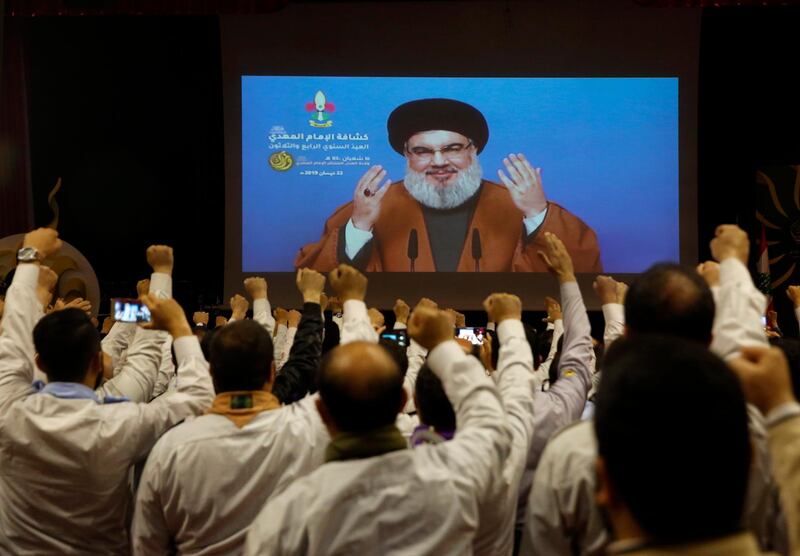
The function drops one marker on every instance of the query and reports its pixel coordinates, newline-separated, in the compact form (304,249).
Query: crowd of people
(309,431)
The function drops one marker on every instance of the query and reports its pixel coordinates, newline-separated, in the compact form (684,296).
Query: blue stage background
(608,149)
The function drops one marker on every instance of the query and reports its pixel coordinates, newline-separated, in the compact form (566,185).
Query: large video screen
(457,174)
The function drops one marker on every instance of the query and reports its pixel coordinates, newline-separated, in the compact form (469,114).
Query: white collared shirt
(422,501)
(64,463)
(207,479)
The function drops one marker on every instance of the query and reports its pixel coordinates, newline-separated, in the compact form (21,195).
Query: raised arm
(194,392)
(612,296)
(351,287)
(25,298)
(764,374)
(484,439)
(296,378)
(740,306)
(139,374)
(556,319)
(256,288)
(514,377)
(415,353)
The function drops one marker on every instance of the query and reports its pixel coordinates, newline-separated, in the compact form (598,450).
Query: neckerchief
(345,446)
(243,407)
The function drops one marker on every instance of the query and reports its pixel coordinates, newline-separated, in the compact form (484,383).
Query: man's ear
(325,415)
(270,378)
(39,364)
(626,332)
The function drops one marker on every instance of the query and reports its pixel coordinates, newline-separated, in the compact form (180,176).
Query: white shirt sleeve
(416,355)
(356,326)
(262,314)
(532,223)
(280,338)
(23,310)
(484,438)
(740,306)
(193,395)
(137,377)
(354,239)
(614,315)
(286,348)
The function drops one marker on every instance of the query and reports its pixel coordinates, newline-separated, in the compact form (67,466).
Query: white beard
(445,196)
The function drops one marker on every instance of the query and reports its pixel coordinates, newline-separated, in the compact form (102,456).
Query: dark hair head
(396,352)
(541,347)
(552,371)
(672,429)
(433,406)
(671,300)
(791,349)
(361,386)
(240,357)
(66,341)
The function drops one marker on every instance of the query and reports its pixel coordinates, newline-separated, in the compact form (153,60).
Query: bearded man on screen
(443,200)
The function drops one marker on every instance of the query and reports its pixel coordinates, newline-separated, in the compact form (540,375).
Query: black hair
(332,333)
(240,356)
(66,341)
(672,429)
(553,370)
(791,349)
(358,409)
(672,300)
(433,406)
(541,347)
(397,352)
(205,342)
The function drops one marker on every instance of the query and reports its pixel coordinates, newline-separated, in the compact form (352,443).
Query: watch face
(27,254)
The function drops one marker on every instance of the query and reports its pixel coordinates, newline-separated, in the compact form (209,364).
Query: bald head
(670,300)
(361,386)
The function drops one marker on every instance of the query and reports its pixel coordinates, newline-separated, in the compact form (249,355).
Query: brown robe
(503,243)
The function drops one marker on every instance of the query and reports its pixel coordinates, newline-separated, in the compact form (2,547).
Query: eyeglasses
(453,152)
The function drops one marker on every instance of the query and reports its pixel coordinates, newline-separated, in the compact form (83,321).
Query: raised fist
(310,283)
(503,306)
(429,327)
(166,314)
(143,287)
(348,283)
(160,258)
(709,270)
(553,308)
(44,240)
(200,318)
(294,318)
(239,307)
(376,319)
(729,242)
(401,311)
(256,287)
(606,289)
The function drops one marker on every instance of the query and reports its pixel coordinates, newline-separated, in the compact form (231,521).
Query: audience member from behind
(426,500)
(65,456)
(764,374)
(227,463)
(672,466)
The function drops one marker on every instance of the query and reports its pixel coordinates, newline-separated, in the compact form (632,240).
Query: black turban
(431,114)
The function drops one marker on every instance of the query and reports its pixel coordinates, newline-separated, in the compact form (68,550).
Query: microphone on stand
(413,247)
(476,248)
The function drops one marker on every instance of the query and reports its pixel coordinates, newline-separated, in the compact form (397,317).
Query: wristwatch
(28,255)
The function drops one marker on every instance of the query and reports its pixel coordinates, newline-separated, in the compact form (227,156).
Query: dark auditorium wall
(129,111)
